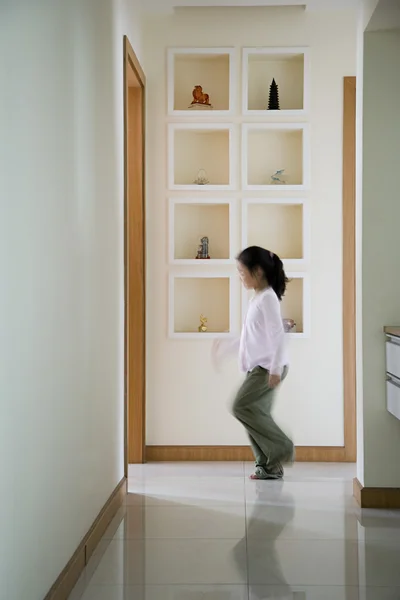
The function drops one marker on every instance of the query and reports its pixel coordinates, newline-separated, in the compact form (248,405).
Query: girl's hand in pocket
(274,381)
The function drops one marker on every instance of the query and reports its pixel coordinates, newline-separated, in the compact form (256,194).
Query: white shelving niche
(190,219)
(270,161)
(295,303)
(290,69)
(271,147)
(214,69)
(201,149)
(203,292)
(278,224)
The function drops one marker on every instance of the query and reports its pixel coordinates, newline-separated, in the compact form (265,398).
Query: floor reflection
(205,532)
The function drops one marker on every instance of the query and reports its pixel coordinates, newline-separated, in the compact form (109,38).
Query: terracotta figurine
(199,97)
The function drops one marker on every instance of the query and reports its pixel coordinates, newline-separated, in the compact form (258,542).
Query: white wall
(380,250)
(61,303)
(186,400)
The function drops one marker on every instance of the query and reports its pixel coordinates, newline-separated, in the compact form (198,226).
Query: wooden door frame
(349,268)
(134,260)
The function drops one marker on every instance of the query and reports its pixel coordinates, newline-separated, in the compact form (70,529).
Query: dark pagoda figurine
(273,103)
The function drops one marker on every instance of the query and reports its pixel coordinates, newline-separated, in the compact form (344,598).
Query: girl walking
(263,357)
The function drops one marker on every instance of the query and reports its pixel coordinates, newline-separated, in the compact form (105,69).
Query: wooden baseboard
(388,498)
(66,581)
(357,489)
(238,453)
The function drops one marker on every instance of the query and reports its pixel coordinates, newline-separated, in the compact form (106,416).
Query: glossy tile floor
(206,532)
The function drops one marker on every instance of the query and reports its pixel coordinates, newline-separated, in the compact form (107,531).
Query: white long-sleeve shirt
(263,339)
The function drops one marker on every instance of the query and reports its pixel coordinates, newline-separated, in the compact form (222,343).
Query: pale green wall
(61,283)
(380,249)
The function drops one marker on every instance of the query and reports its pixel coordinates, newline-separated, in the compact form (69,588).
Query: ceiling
(170,5)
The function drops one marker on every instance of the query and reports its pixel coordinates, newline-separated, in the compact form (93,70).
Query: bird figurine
(276,178)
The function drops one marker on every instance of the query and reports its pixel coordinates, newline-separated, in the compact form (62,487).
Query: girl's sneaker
(265,473)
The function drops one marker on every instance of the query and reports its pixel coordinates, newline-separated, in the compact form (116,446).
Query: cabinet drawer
(393,397)
(393,357)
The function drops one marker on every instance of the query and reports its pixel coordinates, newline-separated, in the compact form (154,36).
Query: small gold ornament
(203,324)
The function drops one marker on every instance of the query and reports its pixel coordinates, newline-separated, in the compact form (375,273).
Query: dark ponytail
(270,264)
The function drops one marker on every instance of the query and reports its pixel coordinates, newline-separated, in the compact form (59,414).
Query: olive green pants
(252,407)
